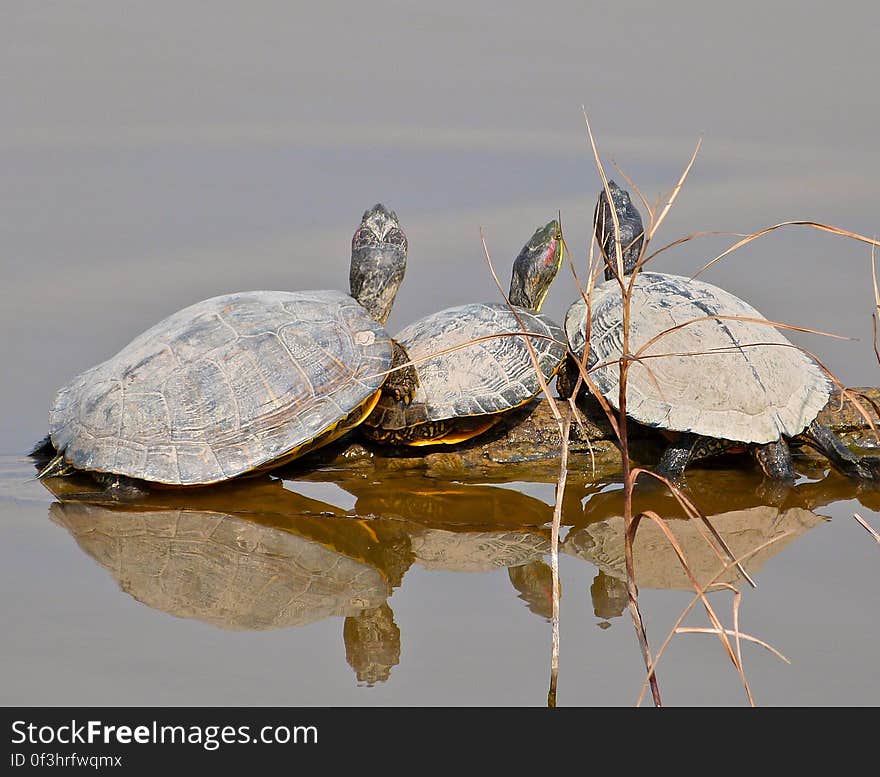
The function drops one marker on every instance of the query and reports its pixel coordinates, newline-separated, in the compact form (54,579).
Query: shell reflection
(747,522)
(257,555)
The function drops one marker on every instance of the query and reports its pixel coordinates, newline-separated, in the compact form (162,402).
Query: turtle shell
(721,377)
(222,387)
(486,377)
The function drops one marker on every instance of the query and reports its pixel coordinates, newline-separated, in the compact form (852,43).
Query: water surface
(422,591)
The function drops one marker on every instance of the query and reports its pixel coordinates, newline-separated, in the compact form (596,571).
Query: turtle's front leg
(676,457)
(401,384)
(687,448)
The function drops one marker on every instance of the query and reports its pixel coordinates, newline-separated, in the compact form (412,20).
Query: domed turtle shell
(723,378)
(486,377)
(223,387)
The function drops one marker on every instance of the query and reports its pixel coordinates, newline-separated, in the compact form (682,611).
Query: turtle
(466,389)
(727,382)
(239,383)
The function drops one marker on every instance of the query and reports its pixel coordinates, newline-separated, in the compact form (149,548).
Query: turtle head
(378,261)
(536,267)
(632,233)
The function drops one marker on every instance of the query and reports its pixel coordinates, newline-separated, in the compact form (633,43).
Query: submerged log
(528,440)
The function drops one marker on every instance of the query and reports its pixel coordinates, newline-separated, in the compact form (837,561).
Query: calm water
(153,156)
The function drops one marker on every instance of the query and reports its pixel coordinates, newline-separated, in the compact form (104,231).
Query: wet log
(527,443)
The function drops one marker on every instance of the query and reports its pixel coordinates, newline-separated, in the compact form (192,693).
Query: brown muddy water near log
(149,164)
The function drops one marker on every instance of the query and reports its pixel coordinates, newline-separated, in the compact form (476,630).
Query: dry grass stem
(670,536)
(739,635)
(867,526)
(694,513)
(688,238)
(554,561)
(632,185)
(674,194)
(524,333)
(621,427)
(618,250)
(698,597)
(767,230)
(876,301)
(747,319)
(564,424)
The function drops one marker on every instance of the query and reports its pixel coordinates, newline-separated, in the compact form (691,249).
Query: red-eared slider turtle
(242,382)
(725,384)
(463,391)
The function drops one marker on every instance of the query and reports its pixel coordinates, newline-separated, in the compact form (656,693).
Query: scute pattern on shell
(222,387)
(740,380)
(486,377)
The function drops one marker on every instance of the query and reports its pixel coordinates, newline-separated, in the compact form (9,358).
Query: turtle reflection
(257,555)
(372,644)
(470,528)
(248,556)
(746,530)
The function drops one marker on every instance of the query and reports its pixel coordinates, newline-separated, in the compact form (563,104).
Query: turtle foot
(402,383)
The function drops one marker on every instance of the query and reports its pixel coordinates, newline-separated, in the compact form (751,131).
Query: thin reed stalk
(554,561)
(621,427)
(564,424)
(699,596)
(868,528)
